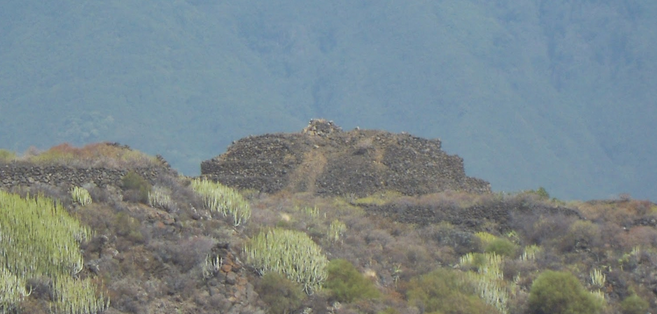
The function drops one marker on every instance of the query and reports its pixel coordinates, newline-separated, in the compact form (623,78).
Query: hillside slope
(139,238)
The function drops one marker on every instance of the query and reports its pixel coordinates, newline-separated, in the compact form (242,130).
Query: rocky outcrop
(325,160)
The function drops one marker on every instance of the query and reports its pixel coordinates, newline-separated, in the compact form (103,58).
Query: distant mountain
(559,94)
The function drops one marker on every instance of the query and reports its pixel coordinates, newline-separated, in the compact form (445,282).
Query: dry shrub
(59,193)
(127,296)
(546,228)
(636,207)
(7,156)
(447,199)
(185,253)
(445,234)
(108,194)
(378,237)
(582,235)
(92,155)
(618,212)
(611,235)
(180,284)
(643,236)
(280,294)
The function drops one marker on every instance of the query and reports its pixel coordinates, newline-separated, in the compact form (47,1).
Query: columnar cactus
(39,239)
(224,200)
(81,195)
(291,253)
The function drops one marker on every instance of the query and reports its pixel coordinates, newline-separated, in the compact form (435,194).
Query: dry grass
(91,155)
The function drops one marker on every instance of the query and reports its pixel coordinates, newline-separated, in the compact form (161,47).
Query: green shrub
(281,294)
(502,247)
(445,291)
(558,292)
(136,186)
(542,193)
(389,310)
(634,305)
(128,227)
(291,253)
(7,155)
(485,238)
(347,284)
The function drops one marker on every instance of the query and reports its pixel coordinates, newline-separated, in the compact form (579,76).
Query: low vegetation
(290,253)
(40,240)
(281,294)
(81,196)
(175,244)
(109,155)
(445,291)
(136,188)
(347,284)
(561,293)
(222,199)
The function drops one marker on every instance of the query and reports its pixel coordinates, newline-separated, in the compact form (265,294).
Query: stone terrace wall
(325,160)
(474,217)
(26,174)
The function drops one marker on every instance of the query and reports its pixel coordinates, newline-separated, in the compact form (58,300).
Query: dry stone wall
(27,174)
(473,217)
(325,160)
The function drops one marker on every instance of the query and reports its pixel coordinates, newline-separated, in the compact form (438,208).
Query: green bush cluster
(445,291)
(39,239)
(136,186)
(497,245)
(291,253)
(558,292)
(502,247)
(281,294)
(222,199)
(634,305)
(7,155)
(347,284)
(542,193)
(128,227)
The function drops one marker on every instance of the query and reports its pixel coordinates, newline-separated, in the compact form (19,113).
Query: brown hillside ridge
(325,160)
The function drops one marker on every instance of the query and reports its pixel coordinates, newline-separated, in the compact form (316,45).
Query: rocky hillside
(158,242)
(325,160)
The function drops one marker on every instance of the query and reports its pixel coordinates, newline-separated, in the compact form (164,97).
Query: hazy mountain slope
(557,94)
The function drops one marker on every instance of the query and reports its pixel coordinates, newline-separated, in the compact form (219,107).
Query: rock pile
(325,160)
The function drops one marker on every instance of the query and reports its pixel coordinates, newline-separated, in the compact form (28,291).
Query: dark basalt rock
(325,160)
